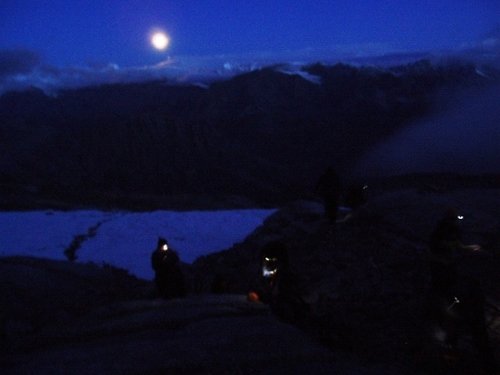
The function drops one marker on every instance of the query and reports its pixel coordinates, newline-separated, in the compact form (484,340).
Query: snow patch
(479,72)
(305,75)
(125,239)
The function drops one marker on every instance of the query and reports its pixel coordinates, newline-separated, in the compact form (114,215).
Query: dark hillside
(367,281)
(265,135)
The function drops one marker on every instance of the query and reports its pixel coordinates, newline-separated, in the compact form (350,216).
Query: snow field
(125,239)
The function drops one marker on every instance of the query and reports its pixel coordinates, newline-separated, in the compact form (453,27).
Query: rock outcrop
(367,280)
(65,318)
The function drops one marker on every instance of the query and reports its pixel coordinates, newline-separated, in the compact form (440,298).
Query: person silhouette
(282,287)
(329,188)
(456,301)
(169,279)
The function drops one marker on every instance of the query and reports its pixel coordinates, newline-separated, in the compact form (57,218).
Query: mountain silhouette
(264,135)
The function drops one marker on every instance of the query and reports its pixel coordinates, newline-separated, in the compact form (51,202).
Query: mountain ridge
(247,136)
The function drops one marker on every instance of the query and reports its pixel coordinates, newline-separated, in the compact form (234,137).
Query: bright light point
(160,41)
(268,272)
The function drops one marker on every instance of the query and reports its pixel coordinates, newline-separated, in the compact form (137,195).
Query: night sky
(76,40)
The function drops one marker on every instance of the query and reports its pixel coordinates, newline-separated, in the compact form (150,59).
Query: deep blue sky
(112,35)
(79,32)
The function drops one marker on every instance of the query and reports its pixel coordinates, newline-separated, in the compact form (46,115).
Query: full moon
(160,41)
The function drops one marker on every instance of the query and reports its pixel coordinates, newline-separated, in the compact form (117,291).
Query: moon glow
(160,41)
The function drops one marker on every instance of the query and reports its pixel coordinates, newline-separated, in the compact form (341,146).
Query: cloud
(21,69)
(484,51)
(13,62)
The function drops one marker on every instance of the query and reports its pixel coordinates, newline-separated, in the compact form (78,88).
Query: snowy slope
(125,239)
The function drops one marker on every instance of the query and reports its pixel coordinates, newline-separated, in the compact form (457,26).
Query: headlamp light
(269,267)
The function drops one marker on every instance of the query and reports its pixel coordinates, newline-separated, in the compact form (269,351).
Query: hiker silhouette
(356,196)
(280,287)
(329,189)
(457,302)
(169,279)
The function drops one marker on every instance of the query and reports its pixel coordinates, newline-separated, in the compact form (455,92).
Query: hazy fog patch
(464,138)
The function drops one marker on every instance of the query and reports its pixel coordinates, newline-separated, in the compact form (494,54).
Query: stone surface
(366,280)
(202,334)
(69,329)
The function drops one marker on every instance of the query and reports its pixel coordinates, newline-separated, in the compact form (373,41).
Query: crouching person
(169,279)
(280,287)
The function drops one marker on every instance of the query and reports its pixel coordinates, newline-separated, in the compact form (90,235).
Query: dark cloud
(14,62)
(20,74)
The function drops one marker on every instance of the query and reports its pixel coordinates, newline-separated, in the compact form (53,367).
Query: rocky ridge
(367,280)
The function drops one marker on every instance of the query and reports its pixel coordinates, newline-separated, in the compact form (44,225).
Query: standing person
(456,301)
(169,279)
(329,188)
(355,198)
(445,240)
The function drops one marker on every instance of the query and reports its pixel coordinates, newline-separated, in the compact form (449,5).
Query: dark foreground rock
(67,321)
(207,335)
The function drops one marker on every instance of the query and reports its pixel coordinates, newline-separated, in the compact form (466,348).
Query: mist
(464,137)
